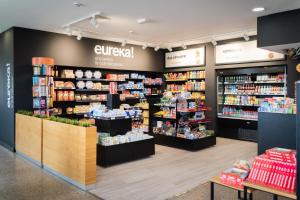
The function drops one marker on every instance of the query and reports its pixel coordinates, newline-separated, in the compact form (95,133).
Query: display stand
(114,126)
(276,130)
(120,153)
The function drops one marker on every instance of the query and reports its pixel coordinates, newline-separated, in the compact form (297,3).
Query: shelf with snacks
(181,123)
(240,92)
(42,85)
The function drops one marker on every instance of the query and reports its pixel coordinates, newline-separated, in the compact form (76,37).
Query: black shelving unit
(120,153)
(237,90)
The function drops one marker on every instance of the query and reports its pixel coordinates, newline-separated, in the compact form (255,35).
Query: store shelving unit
(239,94)
(178,140)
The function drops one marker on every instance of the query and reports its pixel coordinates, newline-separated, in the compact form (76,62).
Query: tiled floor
(20,180)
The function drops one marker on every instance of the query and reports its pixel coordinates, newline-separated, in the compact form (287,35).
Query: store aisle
(20,180)
(170,172)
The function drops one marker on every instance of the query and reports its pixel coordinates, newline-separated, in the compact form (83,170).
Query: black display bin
(114,126)
(121,153)
(182,143)
(276,130)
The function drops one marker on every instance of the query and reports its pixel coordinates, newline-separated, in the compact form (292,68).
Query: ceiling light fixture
(123,43)
(214,42)
(156,48)
(246,37)
(184,46)
(142,21)
(144,46)
(78,4)
(79,36)
(94,21)
(170,49)
(68,30)
(258,9)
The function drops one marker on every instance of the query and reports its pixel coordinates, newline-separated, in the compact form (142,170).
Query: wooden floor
(170,172)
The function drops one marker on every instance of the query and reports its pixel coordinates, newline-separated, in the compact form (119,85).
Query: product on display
(275,169)
(153,81)
(132,136)
(278,105)
(236,175)
(231,111)
(42,86)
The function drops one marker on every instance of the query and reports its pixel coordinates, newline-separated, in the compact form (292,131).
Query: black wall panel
(7,135)
(279,29)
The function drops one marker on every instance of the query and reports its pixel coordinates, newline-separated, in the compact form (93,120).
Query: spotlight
(214,42)
(170,49)
(156,48)
(123,43)
(94,22)
(258,9)
(144,47)
(68,30)
(79,36)
(184,46)
(246,37)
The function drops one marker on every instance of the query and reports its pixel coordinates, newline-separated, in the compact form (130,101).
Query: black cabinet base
(121,153)
(182,143)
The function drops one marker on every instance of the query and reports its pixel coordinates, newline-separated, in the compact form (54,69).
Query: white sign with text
(243,52)
(186,58)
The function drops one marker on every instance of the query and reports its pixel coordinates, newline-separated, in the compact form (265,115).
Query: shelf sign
(9,86)
(186,58)
(243,52)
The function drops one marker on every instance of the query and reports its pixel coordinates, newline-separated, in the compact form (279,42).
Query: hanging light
(79,36)
(94,22)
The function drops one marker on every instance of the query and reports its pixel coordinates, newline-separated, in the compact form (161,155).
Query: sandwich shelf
(239,95)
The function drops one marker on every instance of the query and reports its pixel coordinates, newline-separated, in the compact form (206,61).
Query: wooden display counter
(29,138)
(70,152)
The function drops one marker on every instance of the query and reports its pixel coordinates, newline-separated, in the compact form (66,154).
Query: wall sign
(186,58)
(9,86)
(107,55)
(243,52)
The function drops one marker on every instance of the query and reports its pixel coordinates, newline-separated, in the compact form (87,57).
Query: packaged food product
(66,96)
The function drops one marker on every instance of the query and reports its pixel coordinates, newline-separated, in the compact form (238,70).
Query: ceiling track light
(144,47)
(94,21)
(214,42)
(156,48)
(170,49)
(79,36)
(184,46)
(68,30)
(246,37)
(123,44)
(258,9)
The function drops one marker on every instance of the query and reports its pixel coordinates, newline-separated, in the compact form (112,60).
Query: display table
(182,143)
(276,193)
(120,153)
(217,180)
(116,126)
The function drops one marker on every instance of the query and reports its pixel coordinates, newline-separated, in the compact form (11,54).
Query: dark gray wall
(7,133)
(278,29)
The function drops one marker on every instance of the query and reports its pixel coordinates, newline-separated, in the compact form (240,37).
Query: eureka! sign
(114,51)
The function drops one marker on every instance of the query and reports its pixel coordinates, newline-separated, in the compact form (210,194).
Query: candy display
(254,89)
(278,105)
(84,97)
(195,85)
(231,111)
(236,175)
(101,111)
(62,84)
(153,81)
(242,100)
(137,76)
(132,136)
(67,73)
(273,170)
(117,77)
(65,96)
(176,76)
